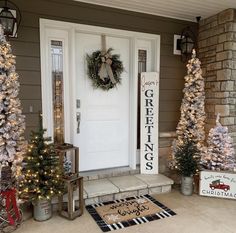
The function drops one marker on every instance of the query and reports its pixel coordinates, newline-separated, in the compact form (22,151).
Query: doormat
(127,212)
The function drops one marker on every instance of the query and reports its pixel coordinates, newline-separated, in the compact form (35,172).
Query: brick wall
(217,52)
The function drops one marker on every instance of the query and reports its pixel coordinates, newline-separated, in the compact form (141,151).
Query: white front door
(107,135)
(103,130)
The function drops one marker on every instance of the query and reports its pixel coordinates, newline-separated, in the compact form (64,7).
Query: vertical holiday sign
(149,122)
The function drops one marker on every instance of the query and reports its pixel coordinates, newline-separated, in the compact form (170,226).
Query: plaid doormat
(127,212)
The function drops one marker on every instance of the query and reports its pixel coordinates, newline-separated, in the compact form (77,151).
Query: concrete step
(112,188)
(118,187)
(108,189)
(107,173)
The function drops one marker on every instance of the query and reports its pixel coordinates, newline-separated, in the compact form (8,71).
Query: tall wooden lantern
(71,208)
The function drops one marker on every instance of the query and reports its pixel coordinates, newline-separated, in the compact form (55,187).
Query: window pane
(142,67)
(57,84)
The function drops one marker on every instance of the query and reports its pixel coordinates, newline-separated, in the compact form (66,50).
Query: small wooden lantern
(62,151)
(72,182)
(71,211)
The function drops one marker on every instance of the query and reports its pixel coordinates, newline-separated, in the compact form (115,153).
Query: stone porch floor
(195,214)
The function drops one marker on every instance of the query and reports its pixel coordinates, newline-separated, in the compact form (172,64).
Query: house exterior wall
(217,51)
(27,49)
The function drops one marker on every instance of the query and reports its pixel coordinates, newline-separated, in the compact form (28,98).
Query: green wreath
(104,69)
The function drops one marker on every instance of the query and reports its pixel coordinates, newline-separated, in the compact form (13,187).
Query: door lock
(78,103)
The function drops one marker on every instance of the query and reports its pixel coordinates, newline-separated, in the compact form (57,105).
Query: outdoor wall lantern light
(10,18)
(186,43)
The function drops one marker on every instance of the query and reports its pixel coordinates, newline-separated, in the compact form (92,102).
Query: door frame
(65,31)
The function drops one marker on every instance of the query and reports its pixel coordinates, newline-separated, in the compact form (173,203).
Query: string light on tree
(192,119)
(42,174)
(220,152)
(12,122)
(12,143)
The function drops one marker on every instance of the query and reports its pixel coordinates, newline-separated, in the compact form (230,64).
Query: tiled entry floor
(123,186)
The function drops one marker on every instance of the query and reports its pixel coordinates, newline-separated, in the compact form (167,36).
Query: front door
(102,132)
(106,131)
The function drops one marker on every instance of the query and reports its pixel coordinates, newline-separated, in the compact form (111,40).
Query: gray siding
(26,48)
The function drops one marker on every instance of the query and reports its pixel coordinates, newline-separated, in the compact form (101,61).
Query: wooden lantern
(62,152)
(71,210)
(73,182)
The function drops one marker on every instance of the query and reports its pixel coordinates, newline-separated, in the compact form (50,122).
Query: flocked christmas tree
(220,152)
(192,120)
(41,171)
(12,122)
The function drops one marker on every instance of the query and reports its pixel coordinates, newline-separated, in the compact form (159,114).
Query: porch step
(119,187)
(115,187)
(107,173)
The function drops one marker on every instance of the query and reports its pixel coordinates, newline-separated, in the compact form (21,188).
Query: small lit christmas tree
(192,119)
(42,173)
(187,159)
(220,152)
(12,122)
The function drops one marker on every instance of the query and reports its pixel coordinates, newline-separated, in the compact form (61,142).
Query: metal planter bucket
(187,185)
(42,210)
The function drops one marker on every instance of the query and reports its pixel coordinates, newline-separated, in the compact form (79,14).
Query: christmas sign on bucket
(149,122)
(218,184)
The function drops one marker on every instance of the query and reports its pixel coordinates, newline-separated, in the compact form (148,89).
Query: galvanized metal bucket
(187,185)
(42,210)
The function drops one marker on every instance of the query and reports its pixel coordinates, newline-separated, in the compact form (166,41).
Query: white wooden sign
(218,184)
(149,122)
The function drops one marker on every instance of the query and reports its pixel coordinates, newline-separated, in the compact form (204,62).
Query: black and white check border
(166,212)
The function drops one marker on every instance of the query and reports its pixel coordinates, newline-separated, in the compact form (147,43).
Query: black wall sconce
(187,42)
(10,18)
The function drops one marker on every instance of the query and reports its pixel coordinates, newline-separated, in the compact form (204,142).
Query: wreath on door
(104,68)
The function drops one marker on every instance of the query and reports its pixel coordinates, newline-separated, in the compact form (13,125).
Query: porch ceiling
(179,9)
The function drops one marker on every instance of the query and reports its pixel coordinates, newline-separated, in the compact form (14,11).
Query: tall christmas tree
(41,171)
(12,123)
(12,144)
(191,124)
(220,152)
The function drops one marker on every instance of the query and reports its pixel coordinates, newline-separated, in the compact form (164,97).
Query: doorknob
(78,118)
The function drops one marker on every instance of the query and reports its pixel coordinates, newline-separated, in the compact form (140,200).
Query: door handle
(78,119)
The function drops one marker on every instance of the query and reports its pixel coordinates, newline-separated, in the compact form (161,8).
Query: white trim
(53,24)
(45,87)
(68,30)
(175,50)
(46,35)
(72,95)
(133,104)
(67,88)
